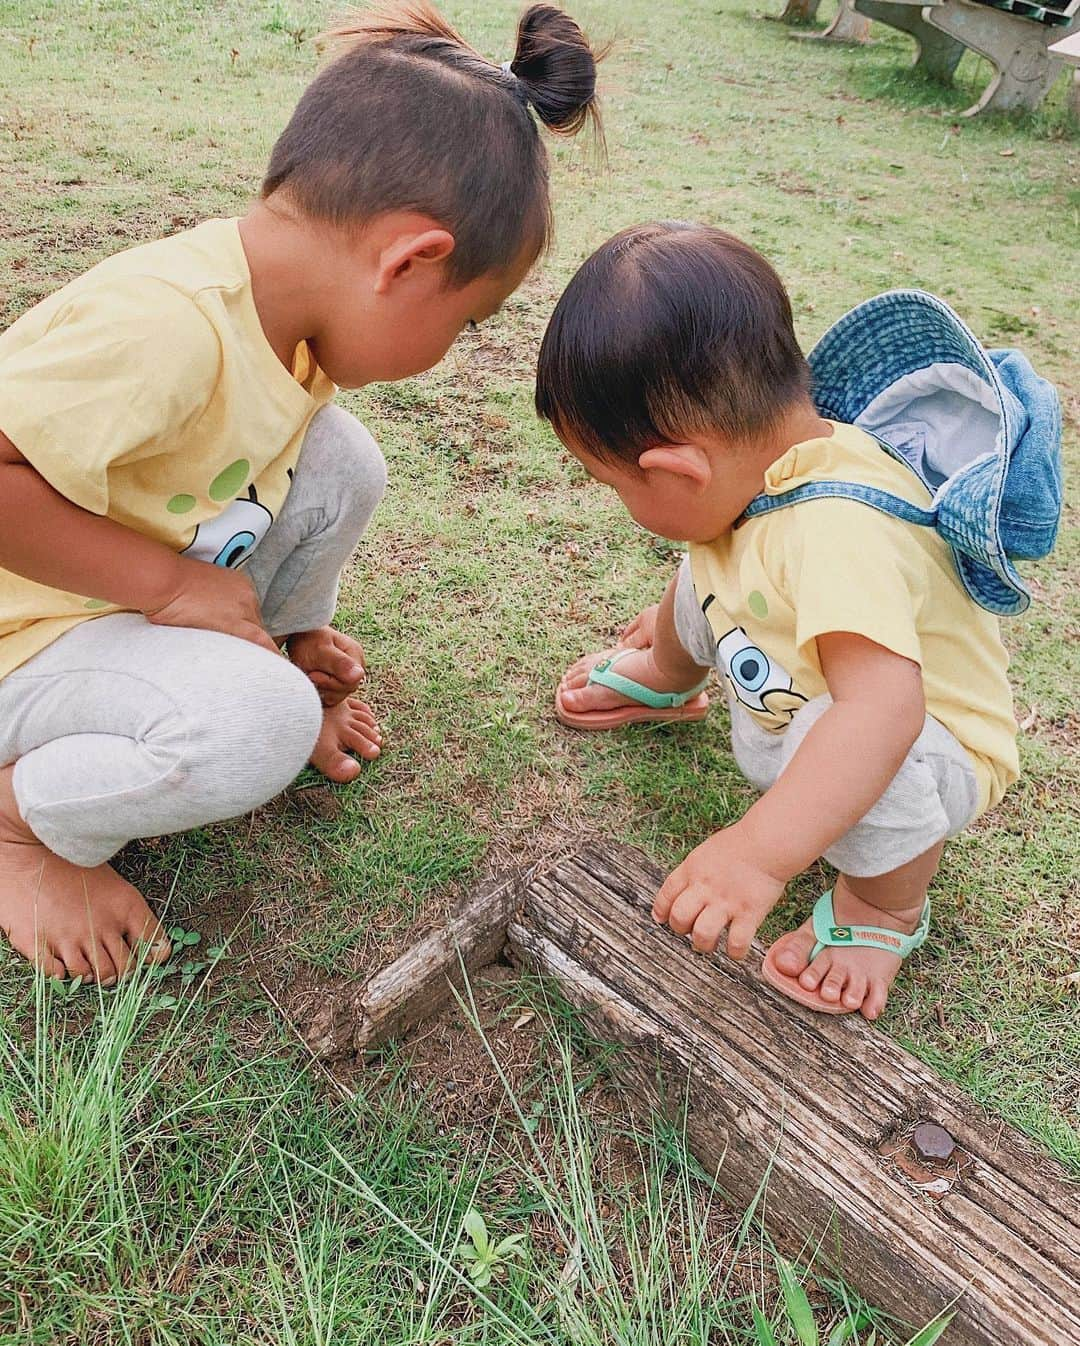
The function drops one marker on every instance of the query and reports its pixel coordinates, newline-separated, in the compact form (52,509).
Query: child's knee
(339,448)
(263,738)
(290,717)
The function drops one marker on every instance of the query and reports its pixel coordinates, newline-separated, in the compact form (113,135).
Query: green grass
(150,1195)
(492,564)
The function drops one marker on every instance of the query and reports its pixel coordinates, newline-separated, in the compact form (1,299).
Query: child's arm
(842,767)
(46,538)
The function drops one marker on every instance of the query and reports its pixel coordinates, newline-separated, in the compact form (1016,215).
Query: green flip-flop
(832,936)
(652,707)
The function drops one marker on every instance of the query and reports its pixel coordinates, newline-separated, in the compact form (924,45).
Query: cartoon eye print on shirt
(231,536)
(758,681)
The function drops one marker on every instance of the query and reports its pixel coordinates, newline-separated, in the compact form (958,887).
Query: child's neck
(740,475)
(278,252)
(801,423)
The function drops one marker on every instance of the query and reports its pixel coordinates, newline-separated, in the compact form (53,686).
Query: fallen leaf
(523,1019)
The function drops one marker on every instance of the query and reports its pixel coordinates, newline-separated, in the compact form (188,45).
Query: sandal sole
(597,720)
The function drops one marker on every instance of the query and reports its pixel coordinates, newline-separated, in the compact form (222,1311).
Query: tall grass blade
(931,1332)
(765,1334)
(797,1305)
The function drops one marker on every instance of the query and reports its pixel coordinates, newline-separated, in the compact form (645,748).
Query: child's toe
(854,991)
(792,952)
(812,977)
(49,963)
(76,962)
(833,985)
(874,1003)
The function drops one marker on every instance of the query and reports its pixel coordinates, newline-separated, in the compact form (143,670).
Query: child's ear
(681,460)
(409,252)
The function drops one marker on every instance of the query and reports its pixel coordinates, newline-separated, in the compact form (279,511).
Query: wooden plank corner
(360,1017)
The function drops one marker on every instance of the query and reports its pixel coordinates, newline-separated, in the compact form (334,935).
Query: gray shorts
(934,795)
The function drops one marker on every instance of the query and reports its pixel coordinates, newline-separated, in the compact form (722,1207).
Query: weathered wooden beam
(415,986)
(825,1106)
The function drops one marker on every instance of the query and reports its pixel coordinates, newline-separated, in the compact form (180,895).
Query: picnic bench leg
(846,27)
(1024,70)
(938,53)
(798,11)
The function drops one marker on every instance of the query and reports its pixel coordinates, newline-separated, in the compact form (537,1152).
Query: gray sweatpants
(934,795)
(122,729)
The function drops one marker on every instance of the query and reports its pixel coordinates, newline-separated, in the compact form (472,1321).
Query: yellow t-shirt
(146,391)
(774,583)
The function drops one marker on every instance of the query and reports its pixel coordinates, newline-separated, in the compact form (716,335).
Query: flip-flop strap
(833,936)
(603,674)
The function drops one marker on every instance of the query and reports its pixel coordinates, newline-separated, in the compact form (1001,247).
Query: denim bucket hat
(980,428)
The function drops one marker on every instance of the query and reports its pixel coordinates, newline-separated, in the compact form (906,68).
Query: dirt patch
(496,1090)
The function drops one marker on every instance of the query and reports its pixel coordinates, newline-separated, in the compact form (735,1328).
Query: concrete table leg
(846,27)
(938,54)
(799,11)
(1016,47)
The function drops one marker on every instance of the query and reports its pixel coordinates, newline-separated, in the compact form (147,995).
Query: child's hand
(640,633)
(212,598)
(721,885)
(334,662)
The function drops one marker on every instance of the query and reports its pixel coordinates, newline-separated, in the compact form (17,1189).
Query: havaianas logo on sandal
(844,934)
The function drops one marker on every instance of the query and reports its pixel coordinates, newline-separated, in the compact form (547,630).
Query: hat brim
(1006,597)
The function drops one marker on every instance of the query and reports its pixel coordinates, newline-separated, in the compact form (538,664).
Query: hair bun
(556,68)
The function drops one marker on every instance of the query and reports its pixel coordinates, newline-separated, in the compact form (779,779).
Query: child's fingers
(340,664)
(352,647)
(741,931)
(709,926)
(669,891)
(686,908)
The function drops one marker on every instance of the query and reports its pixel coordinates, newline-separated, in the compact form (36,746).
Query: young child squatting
(868,692)
(166,418)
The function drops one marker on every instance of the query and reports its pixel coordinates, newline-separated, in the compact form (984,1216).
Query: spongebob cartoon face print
(757,681)
(230,537)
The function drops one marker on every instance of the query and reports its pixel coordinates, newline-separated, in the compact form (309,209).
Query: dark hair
(668,329)
(408,116)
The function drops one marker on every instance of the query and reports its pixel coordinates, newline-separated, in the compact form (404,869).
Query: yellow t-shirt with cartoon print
(146,391)
(774,583)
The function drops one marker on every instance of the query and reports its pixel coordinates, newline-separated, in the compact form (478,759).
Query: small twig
(346,1095)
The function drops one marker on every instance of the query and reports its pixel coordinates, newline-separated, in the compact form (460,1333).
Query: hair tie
(514,84)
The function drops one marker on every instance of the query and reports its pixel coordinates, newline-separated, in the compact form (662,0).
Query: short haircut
(669,329)
(407,116)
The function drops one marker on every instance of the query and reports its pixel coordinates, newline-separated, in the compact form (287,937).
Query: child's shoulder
(209,256)
(148,303)
(849,454)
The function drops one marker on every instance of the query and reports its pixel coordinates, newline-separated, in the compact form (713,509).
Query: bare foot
(69,921)
(349,727)
(578,696)
(849,978)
